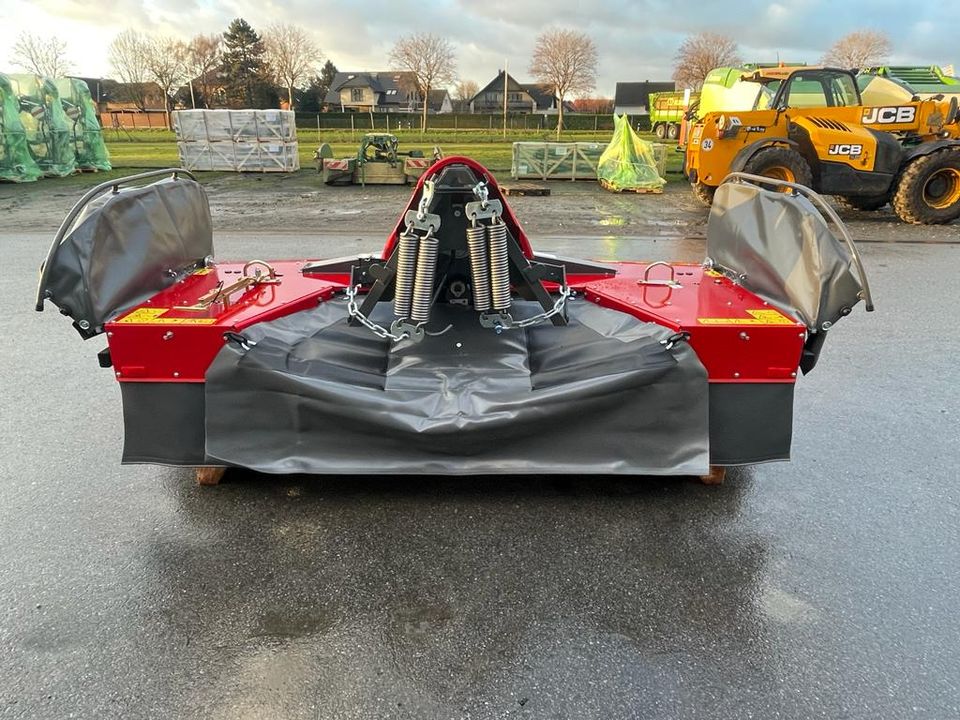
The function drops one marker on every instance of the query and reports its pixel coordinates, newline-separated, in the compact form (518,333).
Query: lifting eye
(721,122)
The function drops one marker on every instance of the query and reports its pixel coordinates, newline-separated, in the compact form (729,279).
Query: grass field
(157,148)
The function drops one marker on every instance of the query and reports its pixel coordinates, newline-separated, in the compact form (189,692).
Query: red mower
(457,349)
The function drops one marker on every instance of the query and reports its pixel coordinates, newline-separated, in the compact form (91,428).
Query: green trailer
(667,111)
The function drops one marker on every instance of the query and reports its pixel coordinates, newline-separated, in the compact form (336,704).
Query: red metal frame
(738,337)
(494,193)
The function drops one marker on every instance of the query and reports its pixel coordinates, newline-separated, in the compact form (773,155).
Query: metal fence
(393,122)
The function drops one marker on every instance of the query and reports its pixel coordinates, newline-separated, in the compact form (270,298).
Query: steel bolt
(736,375)
(118,373)
(168,334)
(176,374)
(744,336)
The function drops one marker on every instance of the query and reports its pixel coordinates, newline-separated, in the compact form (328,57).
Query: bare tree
(564,62)
(701,53)
(463,92)
(863,48)
(167,67)
(46,57)
(129,57)
(430,59)
(291,55)
(203,58)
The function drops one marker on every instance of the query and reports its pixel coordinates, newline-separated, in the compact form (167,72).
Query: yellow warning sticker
(154,316)
(760,317)
(203,271)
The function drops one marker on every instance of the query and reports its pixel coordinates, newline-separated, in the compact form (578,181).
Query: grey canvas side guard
(119,245)
(780,246)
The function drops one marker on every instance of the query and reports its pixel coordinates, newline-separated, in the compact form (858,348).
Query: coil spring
(406,265)
(499,266)
(479,268)
(423,283)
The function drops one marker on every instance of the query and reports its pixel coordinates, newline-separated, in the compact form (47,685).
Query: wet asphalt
(826,587)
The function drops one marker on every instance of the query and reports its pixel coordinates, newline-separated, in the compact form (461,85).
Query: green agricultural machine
(894,84)
(379,161)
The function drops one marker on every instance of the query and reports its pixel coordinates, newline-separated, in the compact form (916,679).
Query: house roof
(541,95)
(436,99)
(637,93)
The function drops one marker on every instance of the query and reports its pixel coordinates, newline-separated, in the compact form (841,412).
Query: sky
(636,40)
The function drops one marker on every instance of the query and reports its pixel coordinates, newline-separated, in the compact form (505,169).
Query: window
(356,95)
(822,89)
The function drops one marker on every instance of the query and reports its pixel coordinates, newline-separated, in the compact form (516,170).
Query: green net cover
(16,162)
(628,163)
(48,128)
(85,127)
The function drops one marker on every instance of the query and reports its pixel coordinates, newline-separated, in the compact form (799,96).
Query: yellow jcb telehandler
(809,126)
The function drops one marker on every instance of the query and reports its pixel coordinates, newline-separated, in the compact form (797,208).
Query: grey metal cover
(601,395)
(782,249)
(126,246)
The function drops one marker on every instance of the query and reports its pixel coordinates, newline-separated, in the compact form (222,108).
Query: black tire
(704,193)
(928,191)
(673,131)
(660,131)
(862,202)
(781,163)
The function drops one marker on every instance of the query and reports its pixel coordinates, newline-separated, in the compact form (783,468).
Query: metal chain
(558,307)
(354,311)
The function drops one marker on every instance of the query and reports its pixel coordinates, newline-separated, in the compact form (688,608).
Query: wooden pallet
(639,191)
(525,189)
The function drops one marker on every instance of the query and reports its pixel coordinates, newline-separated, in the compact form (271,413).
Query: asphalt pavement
(826,587)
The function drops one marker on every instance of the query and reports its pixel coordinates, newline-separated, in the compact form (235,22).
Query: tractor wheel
(928,192)
(780,163)
(704,193)
(673,131)
(862,202)
(660,131)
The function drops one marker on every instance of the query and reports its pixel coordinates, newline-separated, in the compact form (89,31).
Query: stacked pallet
(237,140)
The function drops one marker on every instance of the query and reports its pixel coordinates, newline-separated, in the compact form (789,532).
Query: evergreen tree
(244,70)
(313,96)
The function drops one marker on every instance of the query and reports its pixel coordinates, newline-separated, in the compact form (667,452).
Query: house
(390,91)
(633,98)
(521,97)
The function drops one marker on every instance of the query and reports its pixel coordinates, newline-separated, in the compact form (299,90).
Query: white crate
(237,140)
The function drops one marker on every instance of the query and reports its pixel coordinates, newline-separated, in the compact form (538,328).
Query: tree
(43,57)
(129,53)
(430,60)
(243,64)
(203,57)
(863,48)
(167,67)
(565,62)
(291,56)
(463,92)
(316,92)
(701,53)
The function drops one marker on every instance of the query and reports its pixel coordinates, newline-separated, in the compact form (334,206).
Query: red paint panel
(737,336)
(157,342)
